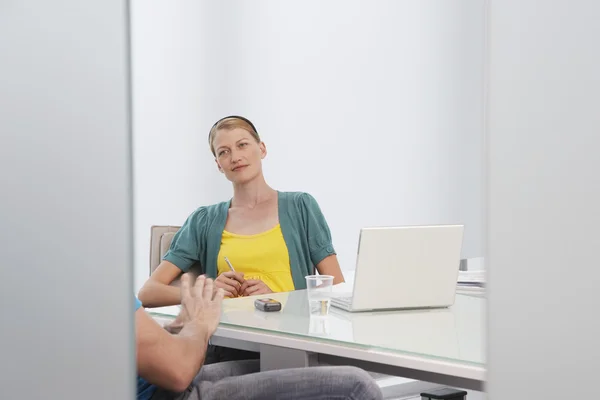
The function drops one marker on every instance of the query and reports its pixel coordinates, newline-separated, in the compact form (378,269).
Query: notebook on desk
(404,268)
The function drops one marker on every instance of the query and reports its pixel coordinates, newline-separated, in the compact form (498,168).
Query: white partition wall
(376,108)
(66,329)
(544,192)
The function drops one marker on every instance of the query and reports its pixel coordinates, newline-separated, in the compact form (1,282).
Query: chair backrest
(160,241)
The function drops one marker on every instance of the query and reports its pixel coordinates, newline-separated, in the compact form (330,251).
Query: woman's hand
(252,287)
(230,282)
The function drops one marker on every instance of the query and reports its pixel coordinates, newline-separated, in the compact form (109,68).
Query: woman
(270,239)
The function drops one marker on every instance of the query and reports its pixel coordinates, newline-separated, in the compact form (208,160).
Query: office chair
(160,241)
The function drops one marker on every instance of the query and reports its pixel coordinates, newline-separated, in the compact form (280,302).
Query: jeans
(240,380)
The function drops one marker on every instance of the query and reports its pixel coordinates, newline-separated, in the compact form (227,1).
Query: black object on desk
(267,305)
(444,394)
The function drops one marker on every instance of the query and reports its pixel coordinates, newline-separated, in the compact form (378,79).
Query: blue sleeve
(138,303)
(185,246)
(317,230)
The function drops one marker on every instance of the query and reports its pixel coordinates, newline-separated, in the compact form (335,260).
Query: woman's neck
(251,193)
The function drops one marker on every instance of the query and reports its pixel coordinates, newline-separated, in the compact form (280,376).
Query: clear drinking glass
(318,289)
(319,326)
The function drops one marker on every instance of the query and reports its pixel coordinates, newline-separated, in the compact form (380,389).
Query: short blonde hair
(230,123)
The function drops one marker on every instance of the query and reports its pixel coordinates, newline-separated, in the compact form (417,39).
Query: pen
(229,264)
(231,268)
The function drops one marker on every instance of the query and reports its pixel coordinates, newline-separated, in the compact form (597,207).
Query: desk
(444,346)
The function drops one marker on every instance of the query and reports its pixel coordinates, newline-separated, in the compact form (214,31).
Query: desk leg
(274,358)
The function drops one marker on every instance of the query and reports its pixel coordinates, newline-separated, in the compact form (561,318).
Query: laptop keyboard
(343,300)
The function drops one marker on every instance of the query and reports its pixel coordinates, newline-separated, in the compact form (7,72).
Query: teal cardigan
(303,225)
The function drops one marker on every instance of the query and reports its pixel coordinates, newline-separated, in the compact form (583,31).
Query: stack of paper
(471,281)
(471,278)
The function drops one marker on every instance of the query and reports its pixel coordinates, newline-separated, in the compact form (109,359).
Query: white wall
(544,193)
(373,107)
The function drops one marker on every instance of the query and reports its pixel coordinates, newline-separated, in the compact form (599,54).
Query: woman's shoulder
(299,199)
(210,212)
(303,210)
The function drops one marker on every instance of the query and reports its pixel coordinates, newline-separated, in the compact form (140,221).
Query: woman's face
(238,154)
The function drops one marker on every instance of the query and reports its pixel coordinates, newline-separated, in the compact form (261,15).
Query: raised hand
(201,303)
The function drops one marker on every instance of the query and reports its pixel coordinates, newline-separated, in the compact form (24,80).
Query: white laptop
(408,267)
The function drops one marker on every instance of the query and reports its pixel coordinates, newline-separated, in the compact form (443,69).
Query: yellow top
(262,256)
